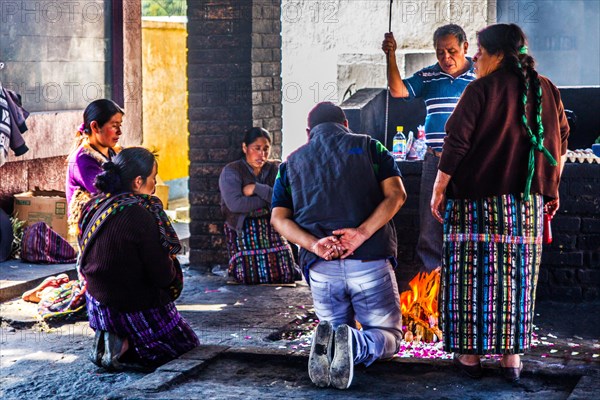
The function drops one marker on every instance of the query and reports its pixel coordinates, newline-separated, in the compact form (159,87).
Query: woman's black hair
(510,41)
(254,133)
(101,111)
(119,174)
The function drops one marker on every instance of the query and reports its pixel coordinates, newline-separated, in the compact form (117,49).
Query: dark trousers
(429,246)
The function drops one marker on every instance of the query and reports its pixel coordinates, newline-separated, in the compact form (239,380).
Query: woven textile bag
(42,245)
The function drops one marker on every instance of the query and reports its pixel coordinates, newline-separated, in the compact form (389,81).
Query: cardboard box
(50,207)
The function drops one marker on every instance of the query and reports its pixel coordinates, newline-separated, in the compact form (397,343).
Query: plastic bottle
(419,146)
(410,146)
(399,145)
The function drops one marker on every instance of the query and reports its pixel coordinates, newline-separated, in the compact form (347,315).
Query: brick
(214,155)
(561,223)
(563,276)
(262,111)
(205,212)
(214,71)
(586,188)
(591,259)
(276,54)
(589,277)
(272,40)
(201,241)
(263,26)
(278,108)
(233,42)
(204,183)
(226,128)
(578,171)
(591,294)
(273,124)
(205,169)
(566,293)
(215,56)
(237,112)
(208,228)
(588,242)
(564,241)
(262,83)
(271,69)
(263,55)
(219,28)
(590,225)
(205,199)
(581,205)
(256,69)
(202,259)
(207,141)
(574,258)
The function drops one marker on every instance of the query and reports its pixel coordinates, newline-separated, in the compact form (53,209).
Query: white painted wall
(323,39)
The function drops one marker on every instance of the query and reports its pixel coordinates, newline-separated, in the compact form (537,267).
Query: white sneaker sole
(319,361)
(342,365)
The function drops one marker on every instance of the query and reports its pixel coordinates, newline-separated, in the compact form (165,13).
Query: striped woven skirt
(492,253)
(157,335)
(259,254)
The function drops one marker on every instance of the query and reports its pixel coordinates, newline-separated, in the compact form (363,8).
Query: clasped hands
(340,244)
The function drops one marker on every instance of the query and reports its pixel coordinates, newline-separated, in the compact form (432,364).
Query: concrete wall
(330,46)
(51,133)
(164,52)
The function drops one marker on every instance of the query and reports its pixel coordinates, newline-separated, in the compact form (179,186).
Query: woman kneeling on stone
(128,248)
(257,253)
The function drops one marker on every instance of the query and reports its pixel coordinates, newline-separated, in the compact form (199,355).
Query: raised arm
(397,86)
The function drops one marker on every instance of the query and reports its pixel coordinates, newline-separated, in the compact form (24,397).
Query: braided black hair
(510,40)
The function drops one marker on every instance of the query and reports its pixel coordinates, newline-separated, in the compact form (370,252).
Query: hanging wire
(387,92)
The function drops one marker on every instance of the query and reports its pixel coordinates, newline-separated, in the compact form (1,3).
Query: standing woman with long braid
(498,174)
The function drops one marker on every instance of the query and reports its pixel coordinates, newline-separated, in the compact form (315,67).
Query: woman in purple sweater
(128,249)
(500,171)
(96,142)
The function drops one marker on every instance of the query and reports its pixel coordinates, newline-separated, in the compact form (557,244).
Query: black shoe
(342,365)
(319,360)
(113,347)
(511,374)
(98,348)
(472,371)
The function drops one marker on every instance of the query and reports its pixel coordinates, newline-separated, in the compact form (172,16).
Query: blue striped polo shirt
(441,93)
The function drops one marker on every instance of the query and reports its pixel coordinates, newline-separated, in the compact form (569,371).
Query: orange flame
(424,289)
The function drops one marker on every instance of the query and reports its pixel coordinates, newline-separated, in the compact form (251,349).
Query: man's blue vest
(334,186)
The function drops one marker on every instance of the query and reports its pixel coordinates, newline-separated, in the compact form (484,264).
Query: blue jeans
(366,291)
(429,246)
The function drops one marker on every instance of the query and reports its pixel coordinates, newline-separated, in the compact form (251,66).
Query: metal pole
(387,92)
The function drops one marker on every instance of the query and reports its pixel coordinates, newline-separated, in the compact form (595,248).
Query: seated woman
(257,253)
(95,143)
(128,248)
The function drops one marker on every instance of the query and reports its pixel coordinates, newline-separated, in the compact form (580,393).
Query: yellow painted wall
(164,53)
